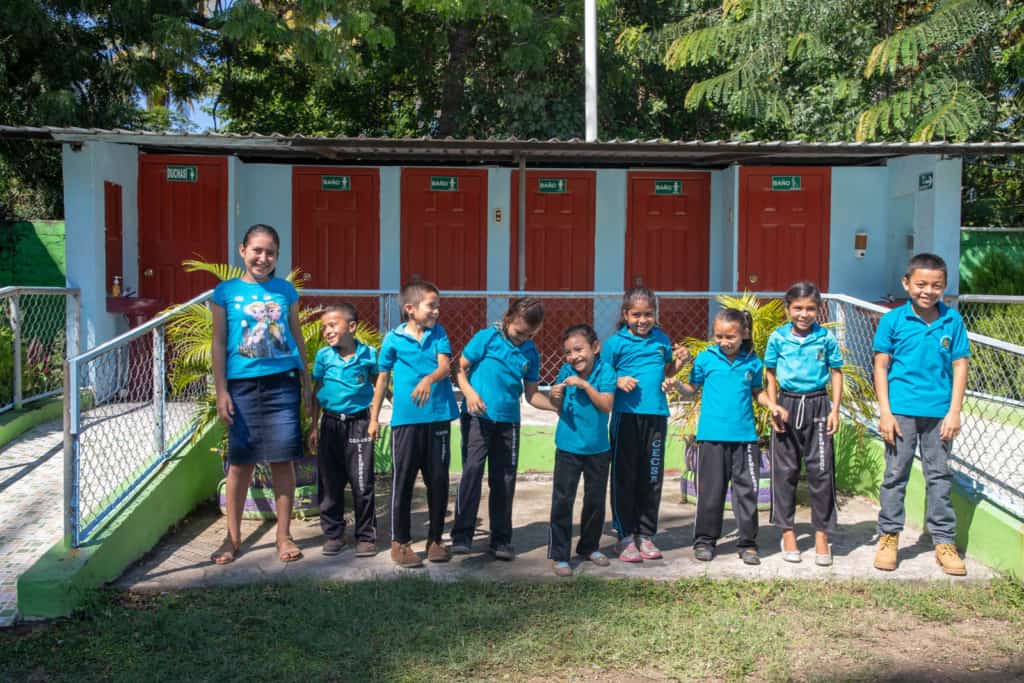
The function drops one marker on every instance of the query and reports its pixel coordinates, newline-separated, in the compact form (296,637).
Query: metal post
(158,389)
(590,68)
(71,422)
(75,325)
(16,330)
(522,224)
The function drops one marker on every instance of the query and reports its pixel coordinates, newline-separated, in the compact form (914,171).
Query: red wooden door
(183,214)
(783,227)
(113,233)
(559,252)
(336,232)
(668,222)
(444,240)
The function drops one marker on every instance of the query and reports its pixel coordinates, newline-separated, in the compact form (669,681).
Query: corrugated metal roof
(553,151)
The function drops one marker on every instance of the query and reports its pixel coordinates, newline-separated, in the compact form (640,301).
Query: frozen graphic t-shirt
(259,342)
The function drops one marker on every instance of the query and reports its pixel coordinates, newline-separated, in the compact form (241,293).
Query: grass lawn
(417,630)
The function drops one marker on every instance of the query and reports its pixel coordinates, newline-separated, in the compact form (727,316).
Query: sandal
(226,553)
(287,551)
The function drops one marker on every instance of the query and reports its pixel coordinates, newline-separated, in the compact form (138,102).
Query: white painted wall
(263,194)
(858,204)
(724,220)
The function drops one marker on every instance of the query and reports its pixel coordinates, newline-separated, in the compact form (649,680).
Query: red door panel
(444,240)
(336,232)
(559,253)
(667,245)
(180,220)
(112,232)
(783,234)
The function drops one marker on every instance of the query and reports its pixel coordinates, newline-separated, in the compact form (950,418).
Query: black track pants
(719,464)
(568,468)
(638,469)
(418,448)
(345,456)
(497,444)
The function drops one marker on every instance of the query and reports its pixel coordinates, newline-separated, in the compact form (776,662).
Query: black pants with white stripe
(345,456)
(568,468)
(418,448)
(638,469)
(806,440)
(719,465)
(497,444)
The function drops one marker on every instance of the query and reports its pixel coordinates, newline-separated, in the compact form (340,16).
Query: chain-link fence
(996,316)
(990,448)
(35,326)
(124,419)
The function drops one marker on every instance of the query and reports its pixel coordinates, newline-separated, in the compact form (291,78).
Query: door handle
(148,272)
(306,277)
(753,278)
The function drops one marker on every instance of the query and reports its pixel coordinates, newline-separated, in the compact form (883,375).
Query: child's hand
(314,438)
(421,394)
(557,392)
(225,408)
(575,381)
(780,416)
(950,426)
(373,429)
(832,423)
(671,384)
(890,429)
(681,353)
(626,384)
(474,404)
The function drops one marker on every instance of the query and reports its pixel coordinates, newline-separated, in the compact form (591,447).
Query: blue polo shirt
(409,361)
(259,342)
(346,385)
(802,363)
(642,358)
(498,369)
(726,407)
(582,428)
(921,370)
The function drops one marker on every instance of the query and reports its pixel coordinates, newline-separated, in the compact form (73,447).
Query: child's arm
(772,392)
(680,357)
(951,423)
(832,423)
(314,433)
(218,353)
(537,399)
(379,390)
(556,394)
(887,425)
(779,414)
(421,393)
(685,388)
(474,404)
(603,401)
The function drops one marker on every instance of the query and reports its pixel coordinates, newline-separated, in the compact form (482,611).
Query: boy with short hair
(921,351)
(419,354)
(345,372)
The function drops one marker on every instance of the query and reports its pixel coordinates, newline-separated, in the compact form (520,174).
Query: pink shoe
(631,554)
(648,550)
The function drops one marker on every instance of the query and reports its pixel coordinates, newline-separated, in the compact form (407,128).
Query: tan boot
(437,552)
(403,556)
(949,560)
(885,557)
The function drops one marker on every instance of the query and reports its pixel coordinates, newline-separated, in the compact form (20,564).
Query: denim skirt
(266,424)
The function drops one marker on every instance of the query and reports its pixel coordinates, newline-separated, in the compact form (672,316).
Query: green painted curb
(62,578)
(16,422)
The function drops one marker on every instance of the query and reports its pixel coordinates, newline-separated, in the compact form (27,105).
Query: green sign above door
(444,183)
(336,182)
(668,187)
(785,183)
(552,185)
(182,174)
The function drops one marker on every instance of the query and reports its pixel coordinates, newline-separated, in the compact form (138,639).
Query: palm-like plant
(190,332)
(858,394)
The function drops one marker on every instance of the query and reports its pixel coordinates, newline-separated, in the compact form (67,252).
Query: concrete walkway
(181,560)
(31,500)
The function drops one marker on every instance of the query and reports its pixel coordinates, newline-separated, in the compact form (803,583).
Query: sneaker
(948,558)
(648,550)
(504,552)
(333,546)
(437,552)
(631,554)
(366,549)
(886,555)
(704,553)
(750,556)
(789,555)
(403,555)
(599,558)
(562,569)
(460,548)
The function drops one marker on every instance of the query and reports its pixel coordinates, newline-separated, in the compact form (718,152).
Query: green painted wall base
(16,422)
(63,577)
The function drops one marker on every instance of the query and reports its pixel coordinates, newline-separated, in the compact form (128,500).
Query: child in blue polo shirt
(921,351)
(498,364)
(344,373)
(801,359)
(422,408)
(642,357)
(730,374)
(583,395)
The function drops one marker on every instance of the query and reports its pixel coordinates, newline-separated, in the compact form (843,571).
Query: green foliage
(991,271)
